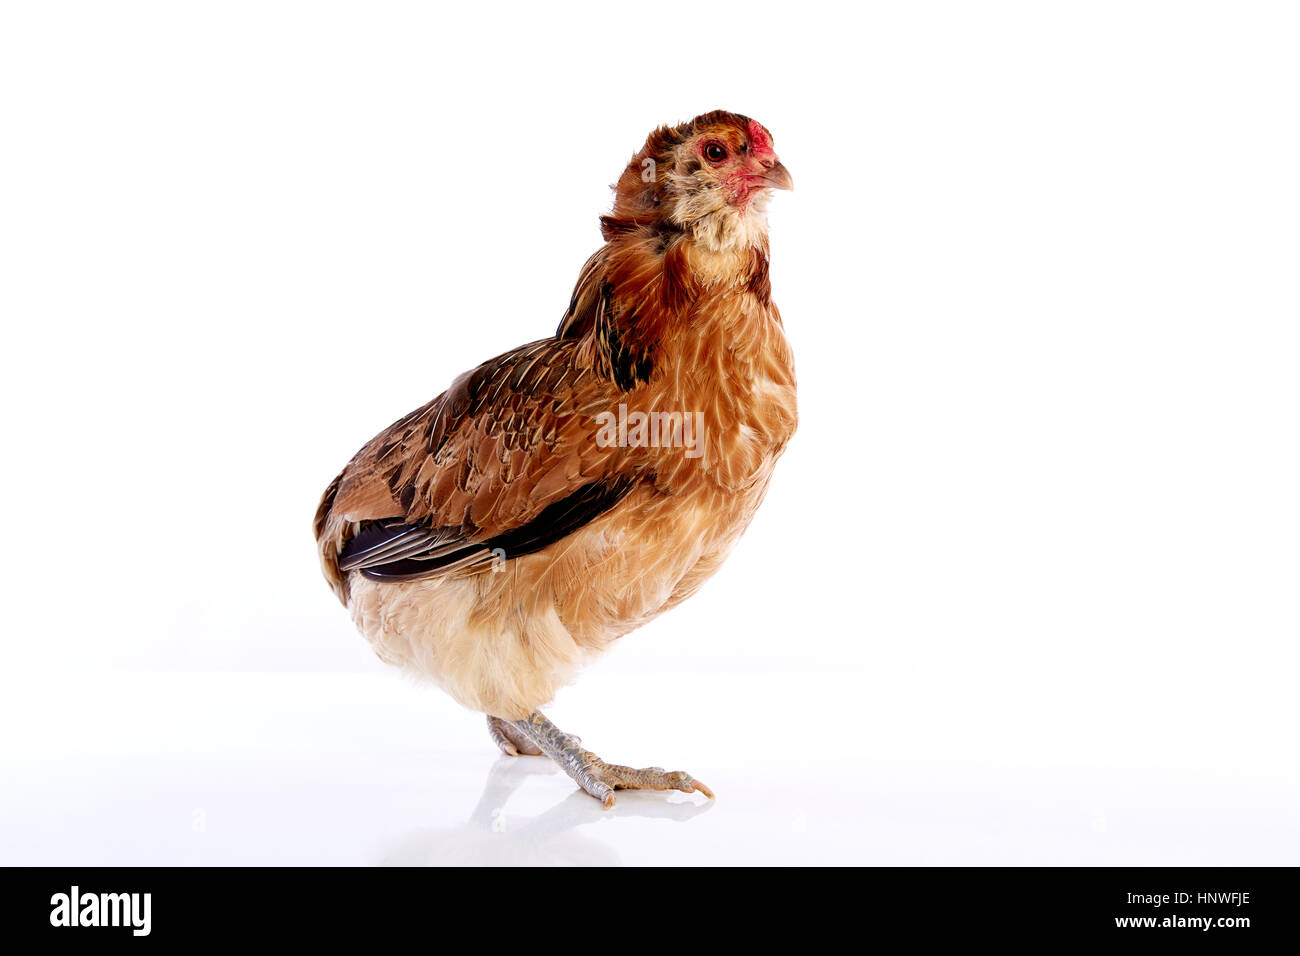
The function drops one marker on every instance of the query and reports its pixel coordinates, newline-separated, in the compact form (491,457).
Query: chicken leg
(592,774)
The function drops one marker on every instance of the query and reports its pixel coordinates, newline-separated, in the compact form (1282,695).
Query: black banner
(215,906)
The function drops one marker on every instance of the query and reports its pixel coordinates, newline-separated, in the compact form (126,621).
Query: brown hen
(565,493)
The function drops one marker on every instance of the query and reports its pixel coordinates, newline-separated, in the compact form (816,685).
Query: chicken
(569,491)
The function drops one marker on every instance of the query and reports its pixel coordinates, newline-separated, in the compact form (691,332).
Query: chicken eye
(715,153)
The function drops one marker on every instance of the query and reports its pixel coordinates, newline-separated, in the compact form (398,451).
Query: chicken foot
(598,778)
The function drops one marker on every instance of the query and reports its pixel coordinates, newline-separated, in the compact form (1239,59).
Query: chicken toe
(511,741)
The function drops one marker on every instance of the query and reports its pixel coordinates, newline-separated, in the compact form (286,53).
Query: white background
(1025,586)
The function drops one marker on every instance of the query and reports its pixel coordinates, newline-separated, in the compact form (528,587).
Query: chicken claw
(595,776)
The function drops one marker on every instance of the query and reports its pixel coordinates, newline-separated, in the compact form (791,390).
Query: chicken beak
(778,177)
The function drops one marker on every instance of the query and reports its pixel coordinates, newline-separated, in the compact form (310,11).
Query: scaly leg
(511,741)
(592,774)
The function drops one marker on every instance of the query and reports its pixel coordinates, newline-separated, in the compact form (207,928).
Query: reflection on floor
(492,836)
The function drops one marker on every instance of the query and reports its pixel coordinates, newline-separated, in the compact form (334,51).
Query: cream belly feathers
(505,642)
